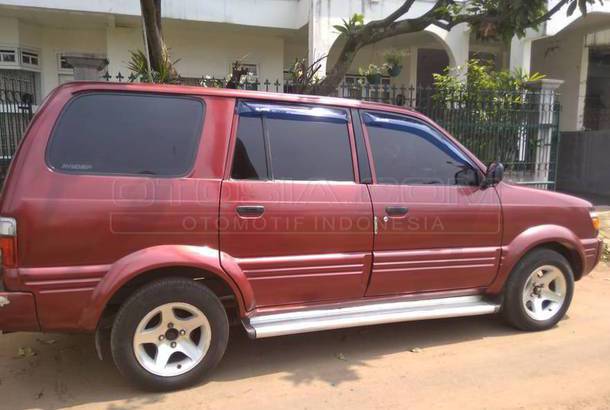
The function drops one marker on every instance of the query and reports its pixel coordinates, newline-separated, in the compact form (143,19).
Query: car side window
(286,142)
(249,160)
(113,133)
(409,152)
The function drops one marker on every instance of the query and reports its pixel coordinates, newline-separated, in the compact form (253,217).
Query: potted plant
(393,61)
(372,74)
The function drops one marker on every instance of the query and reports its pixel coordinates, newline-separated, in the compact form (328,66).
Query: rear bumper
(18,312)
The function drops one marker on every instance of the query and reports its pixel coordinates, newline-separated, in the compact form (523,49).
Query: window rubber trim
(362,158)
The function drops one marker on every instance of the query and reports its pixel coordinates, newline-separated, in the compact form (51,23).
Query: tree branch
(373,32)
(549,13)
(406,26)
(488,17)
(399,12)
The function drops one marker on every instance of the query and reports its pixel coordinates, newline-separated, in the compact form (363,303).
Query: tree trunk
(157,51)
(330,83)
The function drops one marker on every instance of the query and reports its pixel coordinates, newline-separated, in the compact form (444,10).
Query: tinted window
(410,152)
(307,149)
(301,142)
(113,133)
(249,161)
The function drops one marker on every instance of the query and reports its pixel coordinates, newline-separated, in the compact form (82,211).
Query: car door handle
(250,210)
(396,210)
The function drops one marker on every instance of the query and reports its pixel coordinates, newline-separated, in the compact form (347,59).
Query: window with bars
(8,56)
(64,65)
(29,58)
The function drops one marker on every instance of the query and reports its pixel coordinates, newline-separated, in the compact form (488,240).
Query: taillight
(8,242)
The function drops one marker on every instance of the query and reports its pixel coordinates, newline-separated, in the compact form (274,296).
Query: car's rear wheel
(539,291)
(169,334)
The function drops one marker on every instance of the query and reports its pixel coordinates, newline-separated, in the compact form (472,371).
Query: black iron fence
(16,98)
(519,128)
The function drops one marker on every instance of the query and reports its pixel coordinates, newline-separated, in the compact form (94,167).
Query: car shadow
(65,370)
(334,356)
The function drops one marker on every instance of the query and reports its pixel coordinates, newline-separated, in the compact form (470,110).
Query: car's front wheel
(169,334)
(539,291)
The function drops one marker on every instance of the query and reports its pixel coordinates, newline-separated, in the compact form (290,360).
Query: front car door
(292,214)
(438,230)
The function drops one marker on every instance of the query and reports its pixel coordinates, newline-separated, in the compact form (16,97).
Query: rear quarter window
(127,134)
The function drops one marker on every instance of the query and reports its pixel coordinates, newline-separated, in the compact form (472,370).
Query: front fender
(528,240)
(137,263)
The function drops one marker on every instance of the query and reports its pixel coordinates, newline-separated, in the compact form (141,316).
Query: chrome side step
(312,320)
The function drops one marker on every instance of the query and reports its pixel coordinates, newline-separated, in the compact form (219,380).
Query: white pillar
(583,75)
(322,34)
(520,54)
(547,125)
(458,41)
(412,67)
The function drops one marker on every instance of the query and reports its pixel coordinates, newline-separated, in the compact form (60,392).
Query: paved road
(463,363)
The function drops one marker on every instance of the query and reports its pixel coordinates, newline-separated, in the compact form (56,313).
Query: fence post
(547,93)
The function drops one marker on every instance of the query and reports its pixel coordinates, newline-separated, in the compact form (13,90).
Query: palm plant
(138,65)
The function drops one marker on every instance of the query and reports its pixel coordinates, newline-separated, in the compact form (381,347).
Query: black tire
(513,308)
(143,301)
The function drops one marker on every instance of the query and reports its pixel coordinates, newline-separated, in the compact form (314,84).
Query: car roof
(83,86)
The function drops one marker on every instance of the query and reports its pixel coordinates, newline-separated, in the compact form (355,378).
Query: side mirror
(494,174)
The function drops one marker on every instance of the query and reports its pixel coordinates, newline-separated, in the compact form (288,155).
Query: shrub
(138,65)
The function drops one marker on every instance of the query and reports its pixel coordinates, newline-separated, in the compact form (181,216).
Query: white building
(36,37)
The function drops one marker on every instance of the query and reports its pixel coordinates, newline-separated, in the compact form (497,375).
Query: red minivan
(153,215)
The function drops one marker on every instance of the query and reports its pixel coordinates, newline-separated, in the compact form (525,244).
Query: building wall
(201,50)
(565,57)
(290,14)
(9,31)
(56,41)
(205,51)
(119,42)
(294,49)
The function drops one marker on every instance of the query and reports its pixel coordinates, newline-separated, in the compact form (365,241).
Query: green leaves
(482,78)
(503,19)
(305,76)
(350,26)
(138,65)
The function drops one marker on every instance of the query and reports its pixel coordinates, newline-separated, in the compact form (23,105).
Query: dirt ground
(475,362)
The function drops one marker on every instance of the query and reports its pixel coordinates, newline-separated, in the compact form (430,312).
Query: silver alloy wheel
(544,292)
(172,339)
